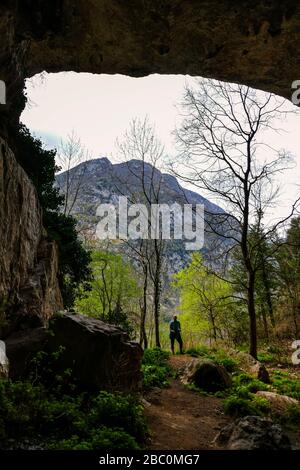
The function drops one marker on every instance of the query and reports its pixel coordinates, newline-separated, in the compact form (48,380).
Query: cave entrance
(96,110)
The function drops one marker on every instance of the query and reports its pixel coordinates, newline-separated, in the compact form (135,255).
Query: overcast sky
(99,108)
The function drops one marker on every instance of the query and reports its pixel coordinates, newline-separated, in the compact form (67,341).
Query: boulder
(253,366)
(101,356)
(253,433)
(22,346)
(206,375)
(4,363)
(278,403)
(260,372)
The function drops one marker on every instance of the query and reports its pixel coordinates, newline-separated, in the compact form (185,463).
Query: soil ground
(181,419)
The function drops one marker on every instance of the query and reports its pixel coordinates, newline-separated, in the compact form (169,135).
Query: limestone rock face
(206,375)
(28,268)
(100,355)
(253,433)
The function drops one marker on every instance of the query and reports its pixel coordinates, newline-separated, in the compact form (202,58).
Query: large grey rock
(22,346)
(278,403)
(206,375)
(253,433)
(100,355)
(253,366)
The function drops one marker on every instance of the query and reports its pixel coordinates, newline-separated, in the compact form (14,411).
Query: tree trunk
(265,322)
(143,334)
(157,312)
(252,315)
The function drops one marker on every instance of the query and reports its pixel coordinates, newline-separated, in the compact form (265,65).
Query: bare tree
(223,151)
(140,144)
(72,158)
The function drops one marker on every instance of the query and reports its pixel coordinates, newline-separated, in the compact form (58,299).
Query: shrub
(155,376)
(116,410)
(155,368)
(237,407)
(199,351)
(266,357)
(155,356)
(291,416)
(285,385)
(102,438)
(108,420)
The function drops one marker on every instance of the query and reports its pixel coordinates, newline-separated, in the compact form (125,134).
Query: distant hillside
(102,182)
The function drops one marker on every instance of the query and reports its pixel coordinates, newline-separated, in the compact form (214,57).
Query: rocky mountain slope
(100,181)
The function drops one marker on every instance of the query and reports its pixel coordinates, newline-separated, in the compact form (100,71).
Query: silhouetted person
(175,333)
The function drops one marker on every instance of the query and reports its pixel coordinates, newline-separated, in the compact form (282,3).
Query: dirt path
(181,419)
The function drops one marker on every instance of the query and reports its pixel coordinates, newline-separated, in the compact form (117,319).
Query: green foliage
(108,420)
(74,260)
(217,355)
(199,351)
(117,410)
(114,292)
(286,386)
(102,438)
(47,407)
(290,417)
(237,407)
(43,369)
(242,400)
(205,302)
(155,357)
(40,166)
(155,368)
(266,357)
(155,376)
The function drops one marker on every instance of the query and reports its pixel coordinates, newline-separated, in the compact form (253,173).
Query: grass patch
(219,356)
(237,406)
(286,386)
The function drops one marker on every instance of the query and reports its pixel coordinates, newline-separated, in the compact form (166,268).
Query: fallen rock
(253,433)
(206,375)
(22,346)
(4,363)
(279,403)
(252,366)
(101,356)
(260,372)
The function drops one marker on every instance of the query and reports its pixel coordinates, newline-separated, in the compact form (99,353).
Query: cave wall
(29,262)
(254,42)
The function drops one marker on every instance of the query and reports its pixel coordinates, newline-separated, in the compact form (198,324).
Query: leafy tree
(40,166)
(288,258)
(204,298)
(114,292)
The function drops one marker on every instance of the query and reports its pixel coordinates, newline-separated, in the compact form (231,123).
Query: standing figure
(175,333)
